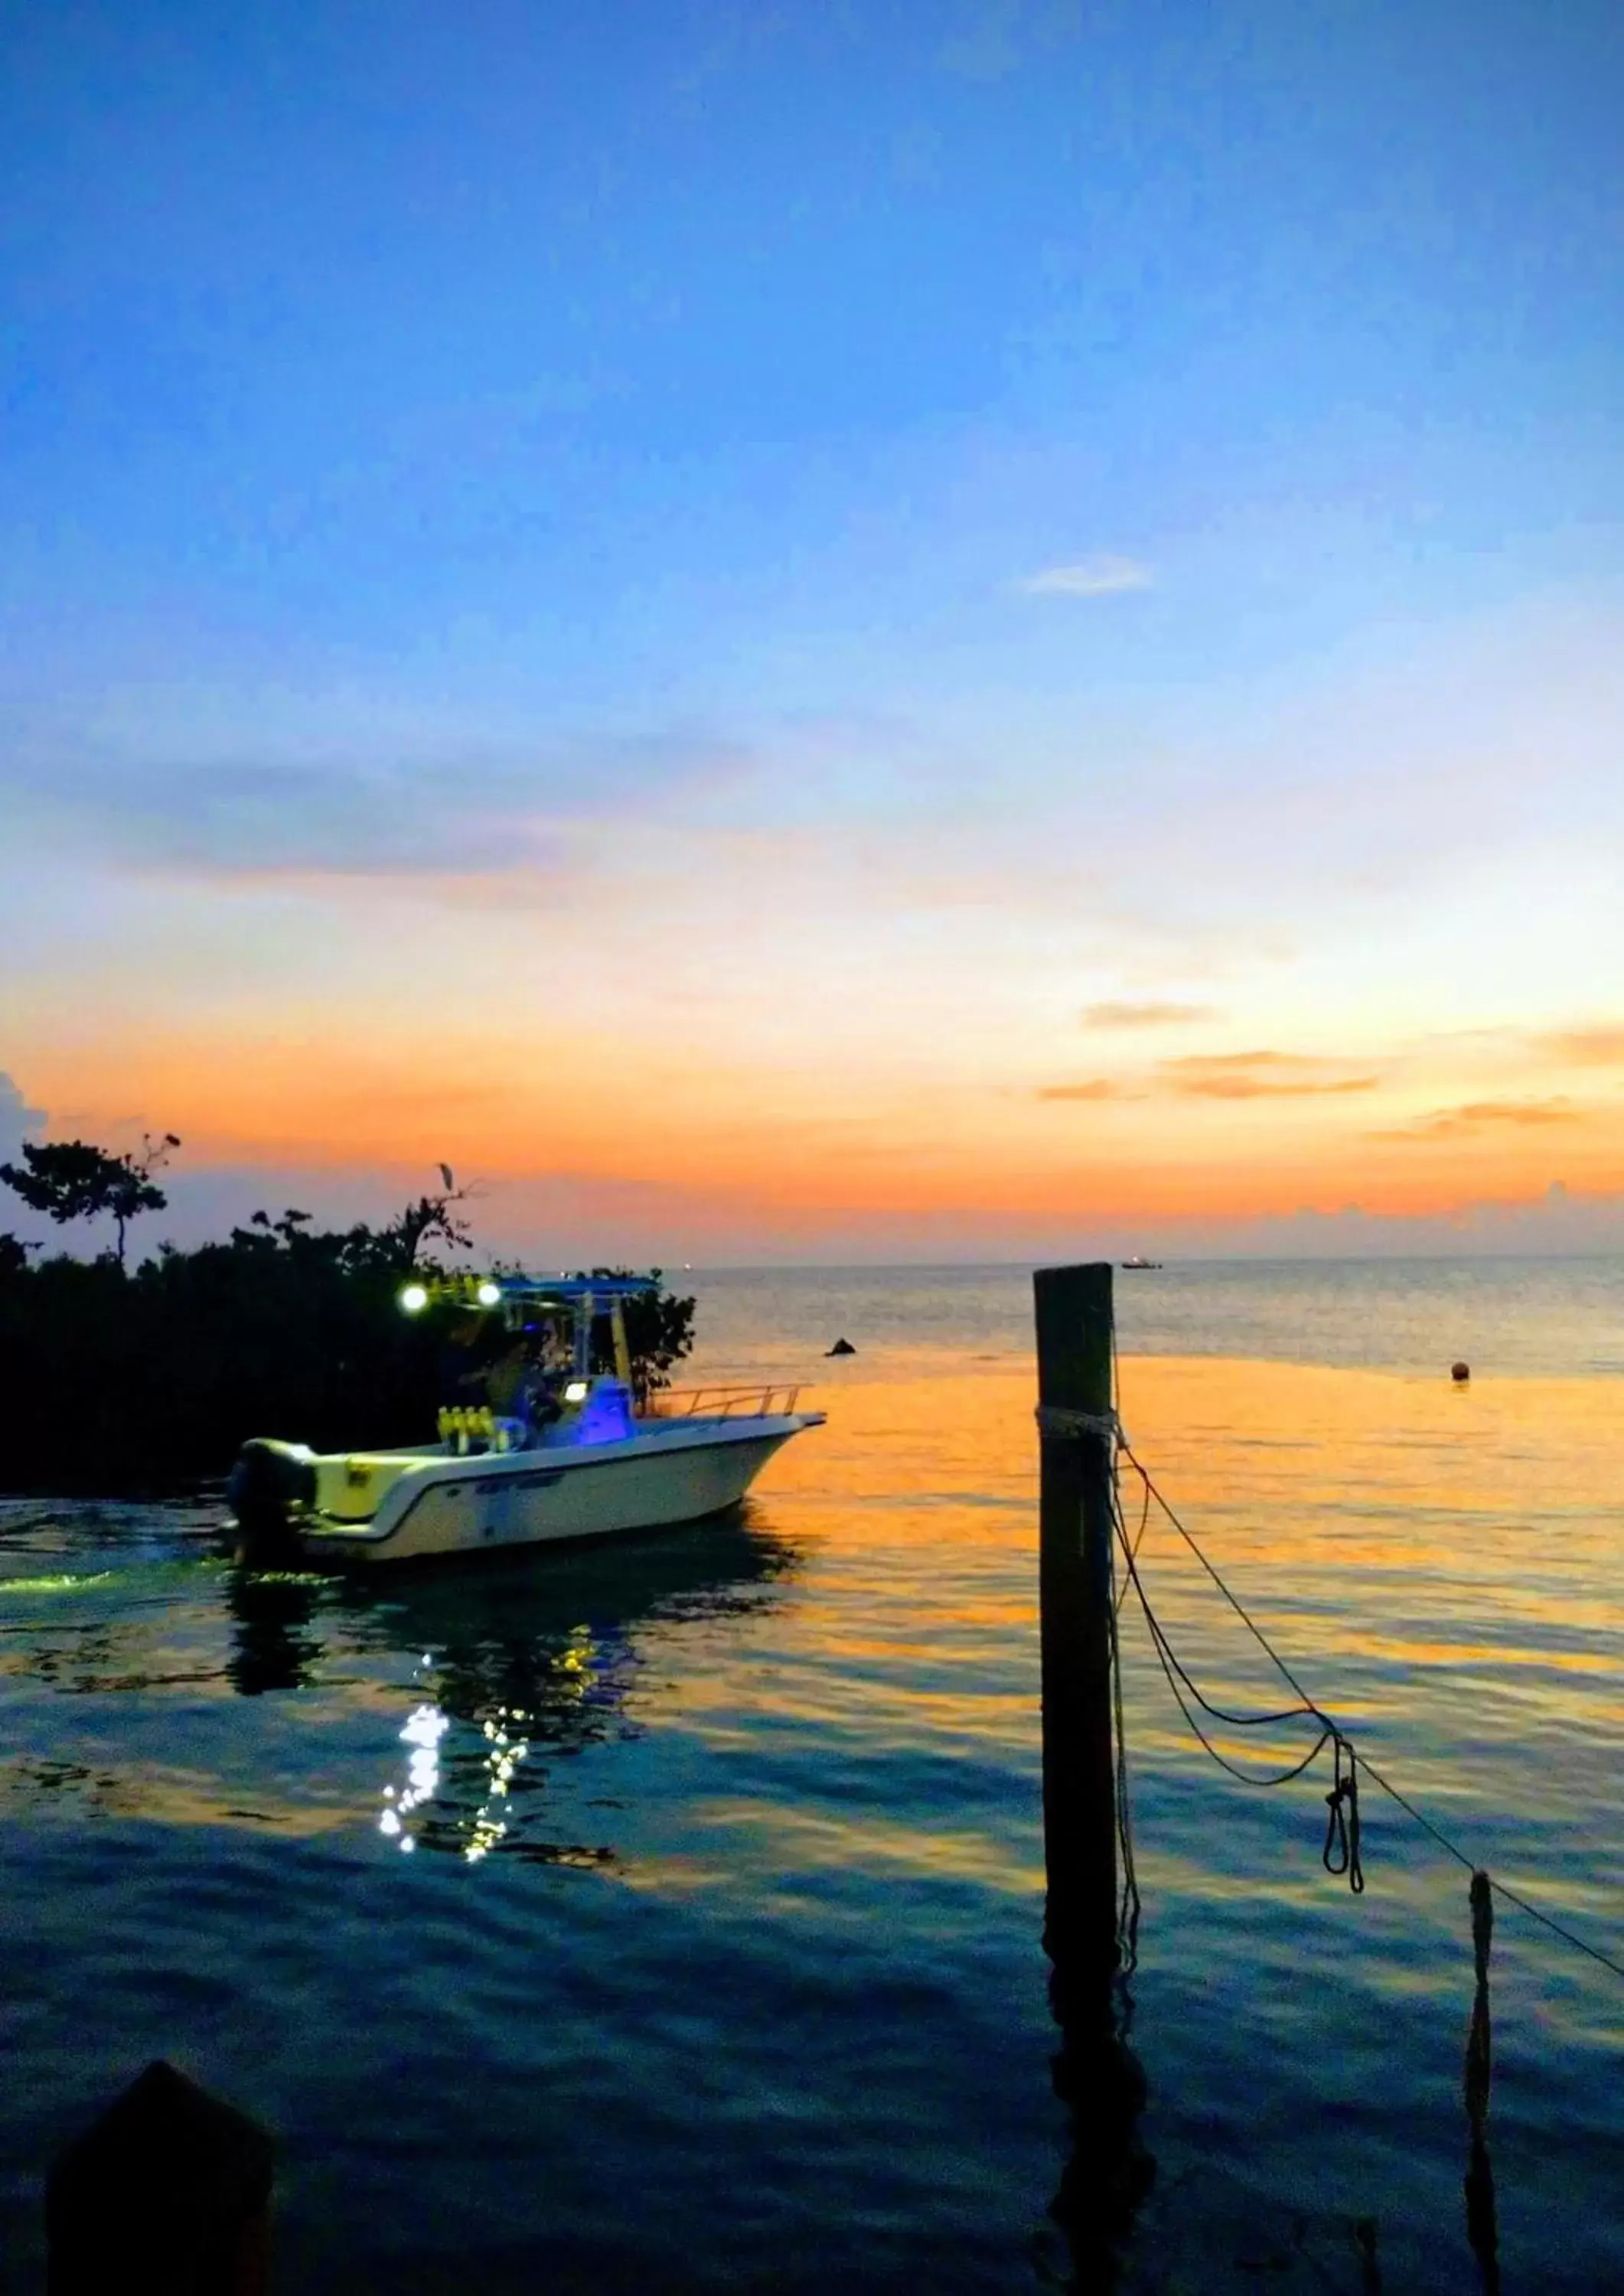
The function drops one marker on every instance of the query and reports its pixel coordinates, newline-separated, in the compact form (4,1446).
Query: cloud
(1584,1048)
(1215,1076)
(1240,1087)
(1096,1088)
(1479,1115)
(472,808)
(1219,1076)
(1089,578)
(1215,1063)
(1151,1014)
(18,1121)
(1233,1076)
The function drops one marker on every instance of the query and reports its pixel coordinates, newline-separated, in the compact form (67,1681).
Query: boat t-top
(556,1452)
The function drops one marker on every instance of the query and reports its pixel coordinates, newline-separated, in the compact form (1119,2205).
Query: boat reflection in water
(519,1661)
(275,1645)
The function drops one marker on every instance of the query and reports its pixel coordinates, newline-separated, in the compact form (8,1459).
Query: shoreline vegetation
(145,1380)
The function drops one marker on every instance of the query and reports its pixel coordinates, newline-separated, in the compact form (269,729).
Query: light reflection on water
(731,1953)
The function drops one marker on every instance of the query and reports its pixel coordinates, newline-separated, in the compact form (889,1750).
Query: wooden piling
(1095,2073)
(1073,1306)
(167,2194)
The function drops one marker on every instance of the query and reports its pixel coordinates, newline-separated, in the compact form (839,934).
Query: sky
(821,632)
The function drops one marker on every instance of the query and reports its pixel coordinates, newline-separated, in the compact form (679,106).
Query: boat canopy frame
(581,1297)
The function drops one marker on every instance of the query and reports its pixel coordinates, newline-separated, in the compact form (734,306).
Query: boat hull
(441,1505)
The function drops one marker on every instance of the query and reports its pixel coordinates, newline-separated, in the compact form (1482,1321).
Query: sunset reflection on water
(746,1849)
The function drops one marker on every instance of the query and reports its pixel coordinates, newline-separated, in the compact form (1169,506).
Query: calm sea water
(705,1954)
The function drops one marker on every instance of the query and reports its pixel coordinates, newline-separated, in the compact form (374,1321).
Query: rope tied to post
(1055,1421)
(1310,1710)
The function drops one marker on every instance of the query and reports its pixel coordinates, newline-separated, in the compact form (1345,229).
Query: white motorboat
(573,1458)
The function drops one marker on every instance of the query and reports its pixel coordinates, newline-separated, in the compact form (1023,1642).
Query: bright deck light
(415,1299)
(576,1393)
(489,1294)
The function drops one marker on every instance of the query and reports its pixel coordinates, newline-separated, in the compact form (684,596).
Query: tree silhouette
(144,1378)
(71,1179)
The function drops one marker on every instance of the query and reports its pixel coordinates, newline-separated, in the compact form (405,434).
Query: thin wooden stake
(1481,2229)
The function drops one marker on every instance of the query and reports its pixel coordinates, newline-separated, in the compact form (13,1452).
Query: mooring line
(1174,1668)
(1128,1902)
(1234,1601)
(1511,1896)
(1341,1854)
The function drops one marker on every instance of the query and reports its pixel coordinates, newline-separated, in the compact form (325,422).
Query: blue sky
(1052,499)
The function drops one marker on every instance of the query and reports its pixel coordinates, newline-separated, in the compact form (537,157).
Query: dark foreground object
(168,2193)
(1075,1400)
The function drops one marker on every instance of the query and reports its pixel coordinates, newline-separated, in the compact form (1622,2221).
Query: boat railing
(760,1402)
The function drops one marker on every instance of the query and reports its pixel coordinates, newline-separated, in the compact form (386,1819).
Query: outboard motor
(271,1486)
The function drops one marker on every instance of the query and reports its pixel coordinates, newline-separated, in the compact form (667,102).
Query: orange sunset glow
(840,1135)
(886,737)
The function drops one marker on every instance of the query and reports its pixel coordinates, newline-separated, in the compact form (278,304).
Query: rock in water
(842,1347)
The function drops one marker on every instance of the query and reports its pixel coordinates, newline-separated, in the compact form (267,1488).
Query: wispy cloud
(1214,1063)
(1151,1014)
(1584,1048)
(1261,1074)
(1239,1086)
(1093,1088)
(1234,1076)
(456,809)
(1482,1115)
(1089,578)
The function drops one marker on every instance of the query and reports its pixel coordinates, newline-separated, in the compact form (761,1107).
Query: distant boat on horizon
(1133,1260)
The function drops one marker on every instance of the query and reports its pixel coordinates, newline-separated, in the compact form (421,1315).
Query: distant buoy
(1460,1372)
(842,1347)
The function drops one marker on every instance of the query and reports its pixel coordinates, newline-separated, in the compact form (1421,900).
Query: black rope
(1175,1672)
(1128,1904)
(1235,1604)
(1342,1829)
(1307,1710)
(1177,1675)
(1145,1516)
(1499,1888)
(1341,1854)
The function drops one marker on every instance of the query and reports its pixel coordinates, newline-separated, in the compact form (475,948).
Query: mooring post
(168,2191)
(1095,2073)
(1075,1532)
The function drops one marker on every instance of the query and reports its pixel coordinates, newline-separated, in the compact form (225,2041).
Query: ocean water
(668,1915)
(1565,1317)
